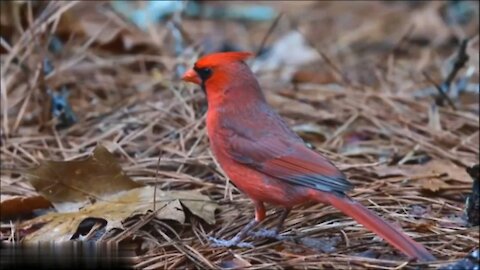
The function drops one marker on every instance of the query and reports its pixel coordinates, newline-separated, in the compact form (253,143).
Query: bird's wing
(288,159)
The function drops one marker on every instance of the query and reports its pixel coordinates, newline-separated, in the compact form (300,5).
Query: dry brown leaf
(311,131)
(433,184)
(116,208)
(19,205)
(72,184)
(424,226)
(434,167)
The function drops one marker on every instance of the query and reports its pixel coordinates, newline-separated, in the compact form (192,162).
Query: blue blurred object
(155,11)
(231,12)
(152,12)
(59,106)
(55,45)
(47,66)
(471,262)
(177,36)
(460,12)
(61,109)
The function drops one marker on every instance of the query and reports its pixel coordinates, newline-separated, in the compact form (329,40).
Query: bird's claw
(265,233)
(271,234)
(234,242)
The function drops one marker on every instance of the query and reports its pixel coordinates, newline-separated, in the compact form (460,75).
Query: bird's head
(221,74)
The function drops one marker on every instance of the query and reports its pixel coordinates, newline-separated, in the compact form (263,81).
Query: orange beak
(192,76)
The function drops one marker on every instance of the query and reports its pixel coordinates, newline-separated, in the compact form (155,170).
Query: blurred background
(320,42)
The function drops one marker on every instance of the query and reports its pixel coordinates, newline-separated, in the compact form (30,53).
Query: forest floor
(357,81)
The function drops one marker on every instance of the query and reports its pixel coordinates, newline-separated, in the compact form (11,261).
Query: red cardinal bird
(269,162)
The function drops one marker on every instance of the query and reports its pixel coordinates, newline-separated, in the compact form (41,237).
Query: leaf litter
(70,185)
(117,208)
(363,101)
(97,188)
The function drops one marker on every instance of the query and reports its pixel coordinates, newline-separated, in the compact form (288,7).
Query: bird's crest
(216,59)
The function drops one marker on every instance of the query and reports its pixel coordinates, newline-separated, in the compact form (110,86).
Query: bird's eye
(204,73)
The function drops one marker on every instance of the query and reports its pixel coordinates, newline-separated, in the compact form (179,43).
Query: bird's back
(256,137)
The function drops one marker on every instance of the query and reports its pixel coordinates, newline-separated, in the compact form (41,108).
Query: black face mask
(204,74)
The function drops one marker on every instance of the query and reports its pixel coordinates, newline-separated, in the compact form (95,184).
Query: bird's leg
(273,233)
(236,240)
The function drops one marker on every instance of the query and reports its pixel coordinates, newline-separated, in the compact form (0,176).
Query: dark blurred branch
(440,90)
(267,35)
(472,204)
(324,56)
(460,61)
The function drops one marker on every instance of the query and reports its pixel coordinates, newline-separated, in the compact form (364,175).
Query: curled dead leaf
(19,205)
(116,208)
(98,188)
(69,185)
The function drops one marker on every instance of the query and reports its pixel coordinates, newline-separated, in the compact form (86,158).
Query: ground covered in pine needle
(386,90)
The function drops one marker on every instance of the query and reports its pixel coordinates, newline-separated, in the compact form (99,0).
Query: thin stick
(267,35)
(156,181)
(460,61)
(443,94)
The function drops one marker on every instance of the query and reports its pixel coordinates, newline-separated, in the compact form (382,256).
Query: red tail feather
(377,225)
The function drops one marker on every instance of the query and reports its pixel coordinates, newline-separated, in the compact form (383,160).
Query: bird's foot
(234,242)
(266,233)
